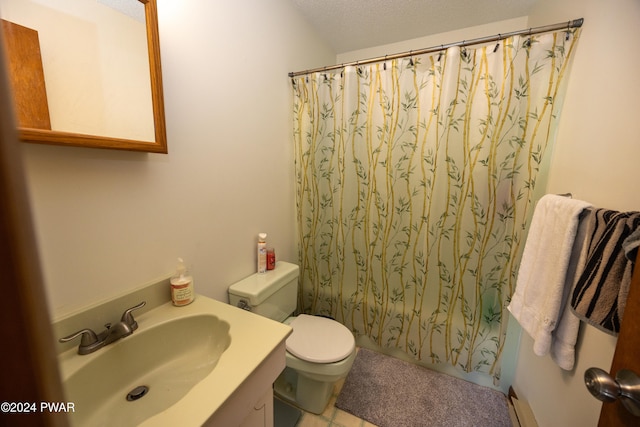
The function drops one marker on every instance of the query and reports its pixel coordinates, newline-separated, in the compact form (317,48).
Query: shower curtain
(415,182)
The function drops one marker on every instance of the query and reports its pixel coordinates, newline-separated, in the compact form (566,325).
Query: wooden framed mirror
(100,70)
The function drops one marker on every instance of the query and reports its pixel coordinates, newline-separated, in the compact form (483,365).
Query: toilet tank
(273,294)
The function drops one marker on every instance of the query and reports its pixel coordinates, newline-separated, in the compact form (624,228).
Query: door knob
(625,386)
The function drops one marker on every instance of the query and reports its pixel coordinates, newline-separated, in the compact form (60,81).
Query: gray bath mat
(389,392)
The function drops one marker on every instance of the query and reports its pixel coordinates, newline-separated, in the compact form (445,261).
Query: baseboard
(520,411)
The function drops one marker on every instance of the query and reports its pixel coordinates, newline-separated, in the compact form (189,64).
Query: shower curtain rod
(537,30)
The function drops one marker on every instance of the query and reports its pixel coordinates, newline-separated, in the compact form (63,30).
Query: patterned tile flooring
(332,416)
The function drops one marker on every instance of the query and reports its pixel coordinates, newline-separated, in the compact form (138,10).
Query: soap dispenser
(181,286)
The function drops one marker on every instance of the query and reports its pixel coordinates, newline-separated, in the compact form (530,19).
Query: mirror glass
(87,72)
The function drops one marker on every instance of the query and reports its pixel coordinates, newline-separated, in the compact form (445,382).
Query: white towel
(564,337)
(541,292)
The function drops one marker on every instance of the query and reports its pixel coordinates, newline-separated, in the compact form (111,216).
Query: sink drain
(137,393)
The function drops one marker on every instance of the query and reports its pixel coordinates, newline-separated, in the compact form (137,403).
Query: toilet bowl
(320,350)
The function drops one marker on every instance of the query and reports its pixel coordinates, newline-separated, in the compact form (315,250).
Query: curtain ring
(495,49)
(527,42)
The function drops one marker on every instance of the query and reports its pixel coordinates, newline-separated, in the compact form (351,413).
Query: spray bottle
(262,253)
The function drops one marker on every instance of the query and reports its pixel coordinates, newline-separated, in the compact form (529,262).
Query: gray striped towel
(600,294)
(631,244)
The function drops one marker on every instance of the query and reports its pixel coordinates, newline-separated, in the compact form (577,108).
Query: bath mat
(389,392)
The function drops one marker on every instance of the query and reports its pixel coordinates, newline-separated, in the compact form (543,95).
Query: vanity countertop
(244,372)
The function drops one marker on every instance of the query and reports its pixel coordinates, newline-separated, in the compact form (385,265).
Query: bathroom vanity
(207,363)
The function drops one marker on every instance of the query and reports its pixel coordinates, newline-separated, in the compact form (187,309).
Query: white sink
(193,360)
(167,359)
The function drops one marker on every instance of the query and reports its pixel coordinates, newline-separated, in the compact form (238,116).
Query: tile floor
(332,416)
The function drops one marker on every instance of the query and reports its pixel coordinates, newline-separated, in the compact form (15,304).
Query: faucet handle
(127,316)
(88,337)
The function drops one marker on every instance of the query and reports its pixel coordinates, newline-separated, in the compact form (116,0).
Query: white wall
(435,40)
(109,221)
(596,159)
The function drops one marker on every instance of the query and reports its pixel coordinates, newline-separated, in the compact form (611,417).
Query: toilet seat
(319,339)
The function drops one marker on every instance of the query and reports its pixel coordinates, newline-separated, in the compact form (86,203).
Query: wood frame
(614,414)
(28,361)
(41,136)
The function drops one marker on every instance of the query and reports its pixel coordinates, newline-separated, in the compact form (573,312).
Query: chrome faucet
(90,341)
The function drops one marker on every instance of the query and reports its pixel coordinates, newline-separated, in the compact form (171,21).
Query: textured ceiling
(357,24)
(133,9)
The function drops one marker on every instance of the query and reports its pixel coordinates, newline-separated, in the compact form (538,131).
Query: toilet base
(308,394)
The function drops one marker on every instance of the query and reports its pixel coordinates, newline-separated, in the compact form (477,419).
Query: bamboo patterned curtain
(415,182)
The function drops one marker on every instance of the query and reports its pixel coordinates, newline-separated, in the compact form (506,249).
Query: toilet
(320,351)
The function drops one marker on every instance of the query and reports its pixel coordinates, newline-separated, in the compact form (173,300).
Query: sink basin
(143,374)
(205,364)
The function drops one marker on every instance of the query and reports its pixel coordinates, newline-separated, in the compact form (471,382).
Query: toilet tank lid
(258,287)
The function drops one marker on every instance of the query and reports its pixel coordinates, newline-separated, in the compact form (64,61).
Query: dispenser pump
(181,269)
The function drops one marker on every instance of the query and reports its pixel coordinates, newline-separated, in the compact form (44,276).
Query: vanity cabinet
(262,414)
(251,405)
